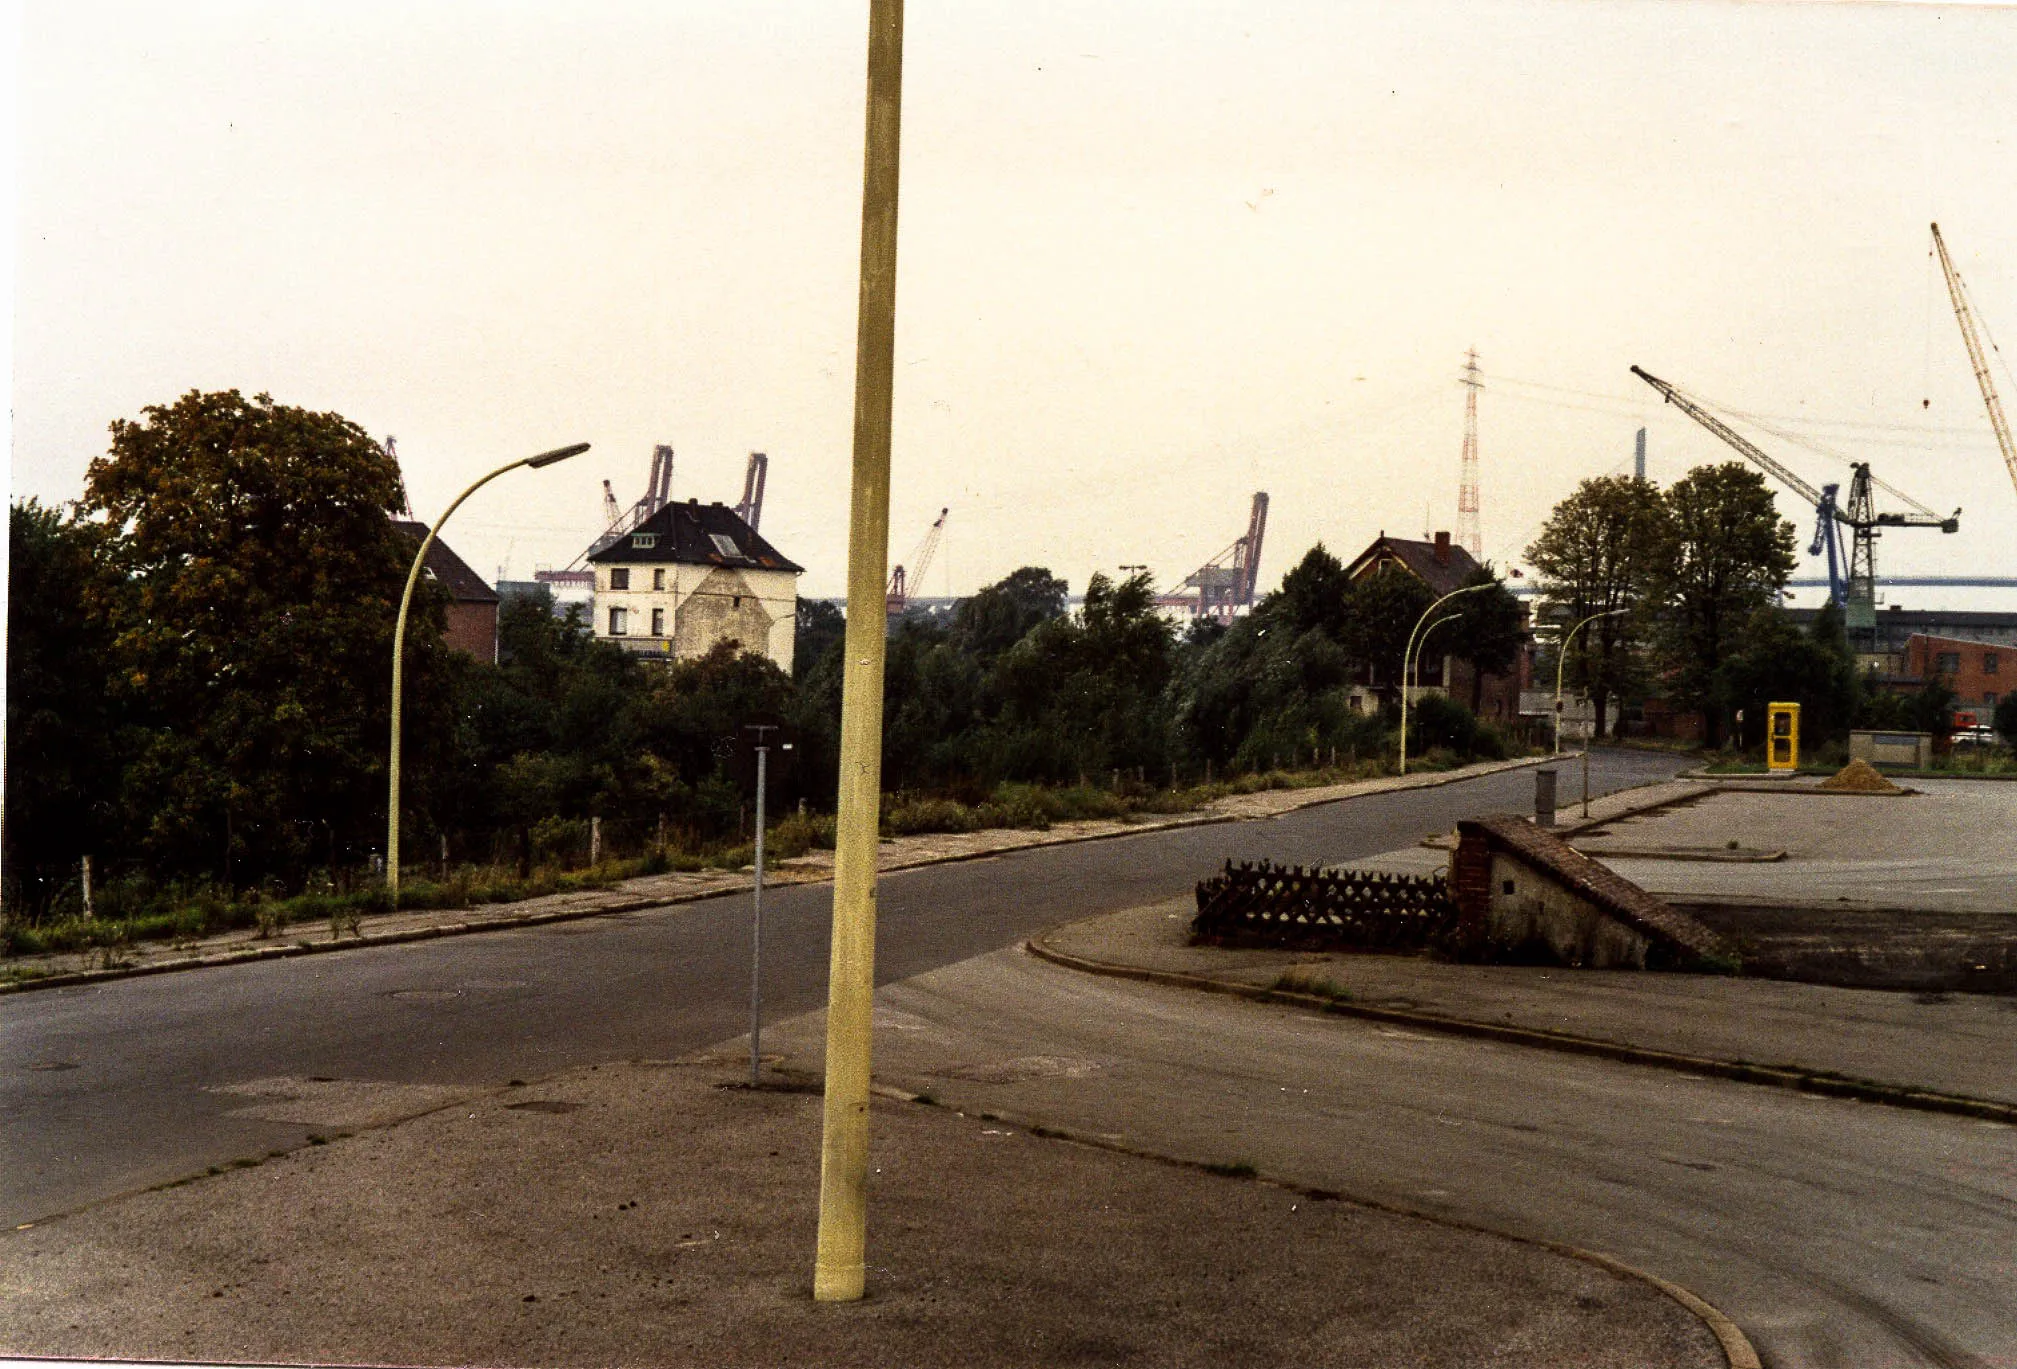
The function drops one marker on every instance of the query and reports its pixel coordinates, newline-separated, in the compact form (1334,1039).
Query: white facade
(678,611)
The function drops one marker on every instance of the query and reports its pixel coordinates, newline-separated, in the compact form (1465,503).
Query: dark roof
(1597,882)
(686,533)
(450,571)
(1419,558)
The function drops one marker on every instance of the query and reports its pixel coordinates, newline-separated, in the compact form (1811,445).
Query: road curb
(1738,1352)
(77,978)
(1793,1077)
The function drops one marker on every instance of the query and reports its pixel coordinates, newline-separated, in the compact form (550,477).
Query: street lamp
(1561,659)
(399,649)
(1407,655)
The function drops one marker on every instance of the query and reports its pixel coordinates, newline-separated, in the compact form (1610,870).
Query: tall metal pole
(756,923)
(1408,653)
(839,1272)
(399,651)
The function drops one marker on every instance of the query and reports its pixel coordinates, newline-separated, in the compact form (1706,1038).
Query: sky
(1153,257)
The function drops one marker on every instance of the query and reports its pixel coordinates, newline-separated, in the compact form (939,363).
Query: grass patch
(1300,979)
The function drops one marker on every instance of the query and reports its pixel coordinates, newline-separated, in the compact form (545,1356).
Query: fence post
(594,839)
(87,888)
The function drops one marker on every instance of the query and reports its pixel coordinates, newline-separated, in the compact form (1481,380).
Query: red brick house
(472,603)
(1444,566)
(1980,672)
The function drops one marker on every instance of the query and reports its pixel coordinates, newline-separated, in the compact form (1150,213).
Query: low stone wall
(1525,894)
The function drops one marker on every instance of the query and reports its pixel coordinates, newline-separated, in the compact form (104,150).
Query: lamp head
(557,454)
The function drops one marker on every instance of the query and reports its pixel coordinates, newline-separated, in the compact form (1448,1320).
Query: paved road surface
(1833,1232)
(103,1087)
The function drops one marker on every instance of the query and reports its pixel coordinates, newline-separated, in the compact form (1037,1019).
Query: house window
(724,544)
(620,578)
(644,541)
(1988,663)
(658,579)
(737,602)
(1947,663)
(617,618)
(658,622)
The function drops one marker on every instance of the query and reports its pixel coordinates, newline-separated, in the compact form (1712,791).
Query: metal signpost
(761,731)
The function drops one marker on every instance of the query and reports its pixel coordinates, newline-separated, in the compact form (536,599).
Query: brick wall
(1981,672)
(1471,885)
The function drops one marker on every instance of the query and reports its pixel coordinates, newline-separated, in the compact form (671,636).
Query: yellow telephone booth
(1782,737)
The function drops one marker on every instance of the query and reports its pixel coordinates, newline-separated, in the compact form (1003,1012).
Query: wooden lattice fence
(1318,909)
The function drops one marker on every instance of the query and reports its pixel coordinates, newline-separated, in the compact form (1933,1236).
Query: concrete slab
(645,1214)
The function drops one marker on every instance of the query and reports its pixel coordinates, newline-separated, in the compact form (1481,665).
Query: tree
(62,749)
(1488,632)
(257,577)
(2006,719)
(819,627)
(1723,554)
(1314,594)
(1380,617)
(1773,661)
(997,616)
(1595,554)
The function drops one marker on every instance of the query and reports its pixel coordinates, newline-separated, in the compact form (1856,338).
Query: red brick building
(472,603)
(1981,672)
(1444,566)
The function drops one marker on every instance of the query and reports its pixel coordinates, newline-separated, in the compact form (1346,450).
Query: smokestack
(1639,456)
(1442,549)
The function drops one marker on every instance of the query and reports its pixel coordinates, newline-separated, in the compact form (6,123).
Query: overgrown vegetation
(198,700)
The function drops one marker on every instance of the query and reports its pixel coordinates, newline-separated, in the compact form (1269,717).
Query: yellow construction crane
(1971,337)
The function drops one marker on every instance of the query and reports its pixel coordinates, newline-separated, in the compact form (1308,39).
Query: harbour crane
(1855,592)
(1971,338)
(902,583)
(1225,584)
(750,507)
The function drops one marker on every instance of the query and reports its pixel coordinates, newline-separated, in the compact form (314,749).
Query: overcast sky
(1154,257)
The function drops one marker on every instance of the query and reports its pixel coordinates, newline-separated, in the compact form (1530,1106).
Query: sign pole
(756,925)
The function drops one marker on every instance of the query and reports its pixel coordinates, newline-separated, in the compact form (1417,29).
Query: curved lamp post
(1408,655)
(399,648)
(1562,658)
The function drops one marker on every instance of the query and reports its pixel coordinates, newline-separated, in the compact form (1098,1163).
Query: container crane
(1971,331)
(1225,584)
(901,583)
(1857,591)
(750,507)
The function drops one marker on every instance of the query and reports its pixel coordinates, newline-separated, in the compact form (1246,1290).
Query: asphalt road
(1835,1233)
(104,1088)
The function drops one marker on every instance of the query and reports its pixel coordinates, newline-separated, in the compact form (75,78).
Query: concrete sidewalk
(18,973)
(1960,1046)
(655,1213)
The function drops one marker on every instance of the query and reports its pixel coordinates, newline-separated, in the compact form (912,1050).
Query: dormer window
(644,541)
(724,544)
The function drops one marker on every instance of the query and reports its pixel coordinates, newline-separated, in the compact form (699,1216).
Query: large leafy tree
(62,748)
(999,615)
(1775,662)
(1596,555)
(1488,632)
(1381,615)
(250,624)
(1723,554)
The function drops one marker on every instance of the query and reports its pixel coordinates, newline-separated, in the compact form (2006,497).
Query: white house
(691,576)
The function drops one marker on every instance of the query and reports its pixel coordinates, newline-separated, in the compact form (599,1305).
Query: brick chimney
(1442,549)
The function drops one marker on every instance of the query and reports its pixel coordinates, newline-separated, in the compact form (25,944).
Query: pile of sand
(1862,778)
